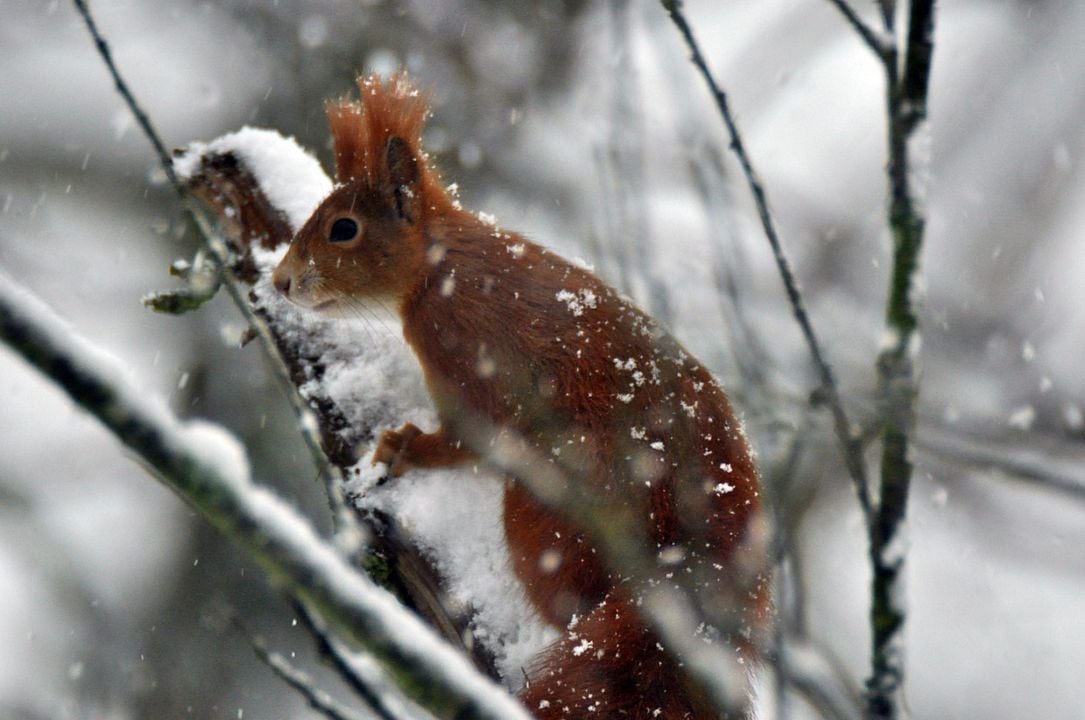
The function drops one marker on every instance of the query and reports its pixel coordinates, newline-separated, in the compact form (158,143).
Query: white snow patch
(455,518)
(578,301)
(1023,417)
(583,647)
(289,176)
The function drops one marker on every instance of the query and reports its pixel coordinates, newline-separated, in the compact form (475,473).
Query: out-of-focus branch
(621,163)
(300,681)
(669,602)
(1049,463)
(818,679)
(880,46)
(385,700)
(207,467)
(851,447)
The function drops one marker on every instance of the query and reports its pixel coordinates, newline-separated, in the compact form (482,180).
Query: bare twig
(880,46)
(331,651)
(889,13)
(319,700)
(851,448)
(122,87)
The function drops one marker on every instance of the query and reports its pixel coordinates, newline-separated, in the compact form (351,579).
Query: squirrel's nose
(281,280)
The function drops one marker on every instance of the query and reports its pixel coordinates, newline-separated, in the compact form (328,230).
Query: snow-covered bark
(207,467)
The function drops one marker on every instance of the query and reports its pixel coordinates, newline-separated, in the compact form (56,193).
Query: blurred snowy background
(580,123)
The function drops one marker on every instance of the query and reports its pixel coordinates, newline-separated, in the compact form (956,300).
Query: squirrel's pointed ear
(404,174)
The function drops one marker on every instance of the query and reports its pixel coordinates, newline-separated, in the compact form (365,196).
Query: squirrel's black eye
(343,229)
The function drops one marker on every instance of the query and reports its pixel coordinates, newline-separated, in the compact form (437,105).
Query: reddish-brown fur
(514,336)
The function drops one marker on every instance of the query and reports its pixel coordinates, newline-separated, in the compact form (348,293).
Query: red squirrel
(509,335)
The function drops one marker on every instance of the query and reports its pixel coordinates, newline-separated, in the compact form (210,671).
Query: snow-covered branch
(208,468)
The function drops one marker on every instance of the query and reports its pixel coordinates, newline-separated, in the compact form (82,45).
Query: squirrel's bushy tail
(609,666)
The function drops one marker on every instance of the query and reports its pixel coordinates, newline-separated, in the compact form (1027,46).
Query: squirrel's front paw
(393,449)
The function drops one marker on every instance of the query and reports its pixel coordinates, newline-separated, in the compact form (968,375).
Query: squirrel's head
(365,242)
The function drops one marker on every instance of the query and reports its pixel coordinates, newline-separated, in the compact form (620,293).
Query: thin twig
(1049,464)
(219,256)
(852,450)
(122,87)
(332,652)
(319,700)
(889,13)
(879,46)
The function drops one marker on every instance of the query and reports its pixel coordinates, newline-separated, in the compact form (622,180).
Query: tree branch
(207,468)
(1049,464)
(898,379)
(889,13)
(373,691)
(122,87)
(227,186)
(850,446)
(882,47)
(319,700)
(220,176)
(673,604)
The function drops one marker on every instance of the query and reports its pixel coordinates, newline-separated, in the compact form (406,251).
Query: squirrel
(512,337)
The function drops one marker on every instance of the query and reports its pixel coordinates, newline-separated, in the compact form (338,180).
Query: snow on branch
(207,467)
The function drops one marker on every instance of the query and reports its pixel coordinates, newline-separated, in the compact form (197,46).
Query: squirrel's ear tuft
(348,138)
(378,140)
